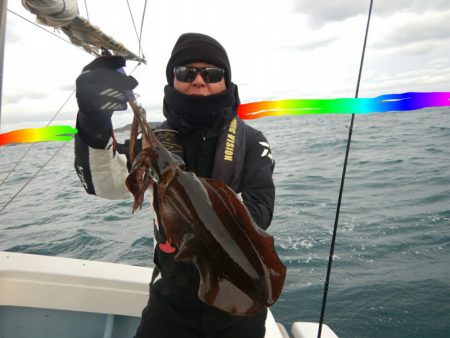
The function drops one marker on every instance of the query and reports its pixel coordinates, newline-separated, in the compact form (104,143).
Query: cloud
(27,114)
(413,36)
(23,96)
(67,87)
(314,44)
(434,29)
(322,12)
(12,32)
(425,79)
(28,108)
(418,48)
(439,62)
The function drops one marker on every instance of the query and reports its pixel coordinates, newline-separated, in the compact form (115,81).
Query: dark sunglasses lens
(185,74)
(213,75)
(188,74)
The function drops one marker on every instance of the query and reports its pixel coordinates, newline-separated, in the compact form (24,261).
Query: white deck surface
(59,283)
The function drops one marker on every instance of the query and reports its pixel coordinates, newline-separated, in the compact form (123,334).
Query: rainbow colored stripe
(380,104)
(30,135)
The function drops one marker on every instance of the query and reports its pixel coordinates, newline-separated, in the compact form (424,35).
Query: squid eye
(153,175)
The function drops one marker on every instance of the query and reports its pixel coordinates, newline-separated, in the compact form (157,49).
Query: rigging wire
(46,30)
(134,26)
(29,148)
(87,12)
(3,7)
(32,144)
(32,177)
(142,26)
(341,189)
(138,35)
(48,123)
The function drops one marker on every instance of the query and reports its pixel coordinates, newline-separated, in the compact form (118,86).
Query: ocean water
(391,268)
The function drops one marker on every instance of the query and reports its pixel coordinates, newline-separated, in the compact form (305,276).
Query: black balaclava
(195,47)
(199,112)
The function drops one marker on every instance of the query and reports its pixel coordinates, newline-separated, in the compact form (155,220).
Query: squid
(210,227)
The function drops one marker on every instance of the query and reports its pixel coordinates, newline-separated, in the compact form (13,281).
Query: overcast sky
(287,49)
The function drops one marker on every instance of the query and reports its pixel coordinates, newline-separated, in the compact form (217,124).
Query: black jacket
(241,157)
(103,171)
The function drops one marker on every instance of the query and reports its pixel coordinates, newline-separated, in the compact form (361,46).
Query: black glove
(101,88)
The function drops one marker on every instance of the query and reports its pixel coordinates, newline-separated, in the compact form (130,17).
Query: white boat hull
(43,296)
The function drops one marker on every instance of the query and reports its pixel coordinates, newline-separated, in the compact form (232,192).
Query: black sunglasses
(189,73)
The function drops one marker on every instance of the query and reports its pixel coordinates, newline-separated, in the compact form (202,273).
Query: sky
(289,49)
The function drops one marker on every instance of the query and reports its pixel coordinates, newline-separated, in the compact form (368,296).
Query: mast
(3,6)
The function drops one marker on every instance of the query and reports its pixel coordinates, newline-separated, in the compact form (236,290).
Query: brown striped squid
(211,228)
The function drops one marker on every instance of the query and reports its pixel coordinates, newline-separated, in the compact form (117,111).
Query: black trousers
(174,311)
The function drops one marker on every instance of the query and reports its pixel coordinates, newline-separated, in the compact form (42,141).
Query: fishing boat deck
(43,296)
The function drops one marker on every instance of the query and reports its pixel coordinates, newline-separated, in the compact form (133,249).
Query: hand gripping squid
(240,272)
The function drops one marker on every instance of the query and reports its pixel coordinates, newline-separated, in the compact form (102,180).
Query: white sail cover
(53,13)
(63,14)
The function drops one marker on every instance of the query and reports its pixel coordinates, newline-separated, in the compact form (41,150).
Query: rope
(341,190)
